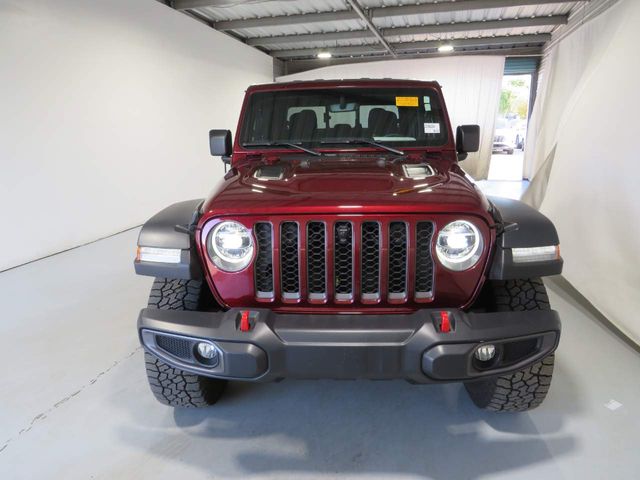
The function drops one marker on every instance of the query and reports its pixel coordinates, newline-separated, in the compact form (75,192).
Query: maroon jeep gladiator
(346,242)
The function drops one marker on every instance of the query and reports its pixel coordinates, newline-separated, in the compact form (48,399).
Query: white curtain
(584,162)
(471,87)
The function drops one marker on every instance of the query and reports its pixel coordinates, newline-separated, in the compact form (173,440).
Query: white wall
(471,87)
(587,127)
(104,112)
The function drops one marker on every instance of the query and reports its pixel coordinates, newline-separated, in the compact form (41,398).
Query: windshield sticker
(406,101)
(431,128)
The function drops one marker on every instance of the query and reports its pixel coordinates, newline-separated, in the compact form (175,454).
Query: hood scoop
(269,172)
(418,171)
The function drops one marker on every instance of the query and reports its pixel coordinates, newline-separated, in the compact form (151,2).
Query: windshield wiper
(282,144)
(363,141)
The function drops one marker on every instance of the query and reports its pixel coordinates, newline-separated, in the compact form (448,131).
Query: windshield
(397,117)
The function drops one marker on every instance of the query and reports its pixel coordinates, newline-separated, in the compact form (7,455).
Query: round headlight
(230,246)
(459,245)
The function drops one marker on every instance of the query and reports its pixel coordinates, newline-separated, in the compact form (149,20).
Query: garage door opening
(510,135)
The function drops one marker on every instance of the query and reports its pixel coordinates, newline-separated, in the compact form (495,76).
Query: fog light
(484,353)
(207,350)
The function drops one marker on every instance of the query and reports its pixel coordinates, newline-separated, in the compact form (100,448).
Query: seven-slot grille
(343,261)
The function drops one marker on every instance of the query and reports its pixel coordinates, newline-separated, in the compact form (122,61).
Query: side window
(365,109)
(319,111)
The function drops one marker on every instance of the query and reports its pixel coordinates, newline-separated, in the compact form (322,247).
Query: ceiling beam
(416,46)
(186,4)
(419,30)
(327,17)
(476,26)
(367,21)
(295,66)
(310,37)
(457,6)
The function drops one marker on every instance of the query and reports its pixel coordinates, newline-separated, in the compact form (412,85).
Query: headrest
(382,121)
(302,125)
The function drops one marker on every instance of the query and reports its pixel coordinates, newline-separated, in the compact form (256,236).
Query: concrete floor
(506,167)
(75,402)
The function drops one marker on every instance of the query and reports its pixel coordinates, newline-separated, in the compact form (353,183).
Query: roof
(297,30)
(371,82)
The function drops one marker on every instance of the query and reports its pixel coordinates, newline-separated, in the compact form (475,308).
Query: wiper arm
(364,141)
(282,144)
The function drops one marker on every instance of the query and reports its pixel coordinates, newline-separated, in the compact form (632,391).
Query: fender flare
(521,226)
(172,228)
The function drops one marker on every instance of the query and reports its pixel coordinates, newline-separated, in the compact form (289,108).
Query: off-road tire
(172,386)
(526,389)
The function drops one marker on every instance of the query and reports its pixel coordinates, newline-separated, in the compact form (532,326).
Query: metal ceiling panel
(310,26)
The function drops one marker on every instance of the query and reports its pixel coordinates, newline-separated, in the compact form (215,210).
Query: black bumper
(410,347)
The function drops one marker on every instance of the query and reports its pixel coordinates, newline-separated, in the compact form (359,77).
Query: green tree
(506,97)
(522,108)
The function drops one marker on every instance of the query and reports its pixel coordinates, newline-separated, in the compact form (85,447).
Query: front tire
(172,386)
(527,388)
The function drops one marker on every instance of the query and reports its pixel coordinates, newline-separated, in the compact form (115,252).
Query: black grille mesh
(343,266)
(316,250)
(424,262)
(178,347)
(264,259)
(370,257)
(369,235)
(397,257)
(289,257)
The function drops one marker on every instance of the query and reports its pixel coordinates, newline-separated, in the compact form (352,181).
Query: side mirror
(220,144)
(467,140)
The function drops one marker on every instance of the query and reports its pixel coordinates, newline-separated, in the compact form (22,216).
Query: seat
(342,130)
(303,126)
(382,122)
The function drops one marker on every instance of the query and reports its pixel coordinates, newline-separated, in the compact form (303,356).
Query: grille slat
(289,265)
(370,258)
(397,260)
(316,260)
(424,260)
(264,261)
(343,262)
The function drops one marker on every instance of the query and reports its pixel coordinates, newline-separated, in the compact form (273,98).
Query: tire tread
(172,386)
(526,389)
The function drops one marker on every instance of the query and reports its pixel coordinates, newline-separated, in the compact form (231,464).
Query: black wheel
(526,389)
(173,386)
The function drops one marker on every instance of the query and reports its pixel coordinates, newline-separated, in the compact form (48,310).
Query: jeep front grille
(352,260)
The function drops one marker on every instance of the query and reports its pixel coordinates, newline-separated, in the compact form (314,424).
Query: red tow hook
(445,322)
(245,325)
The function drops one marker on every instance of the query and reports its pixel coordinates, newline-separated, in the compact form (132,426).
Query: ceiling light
(445,48)
(324,55)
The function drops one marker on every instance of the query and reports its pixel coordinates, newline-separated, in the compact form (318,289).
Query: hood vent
(418,171)
(269,172)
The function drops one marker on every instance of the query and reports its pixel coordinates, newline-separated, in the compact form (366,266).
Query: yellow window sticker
(406,101)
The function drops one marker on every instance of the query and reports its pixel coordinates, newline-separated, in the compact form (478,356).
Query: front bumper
(410,347)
